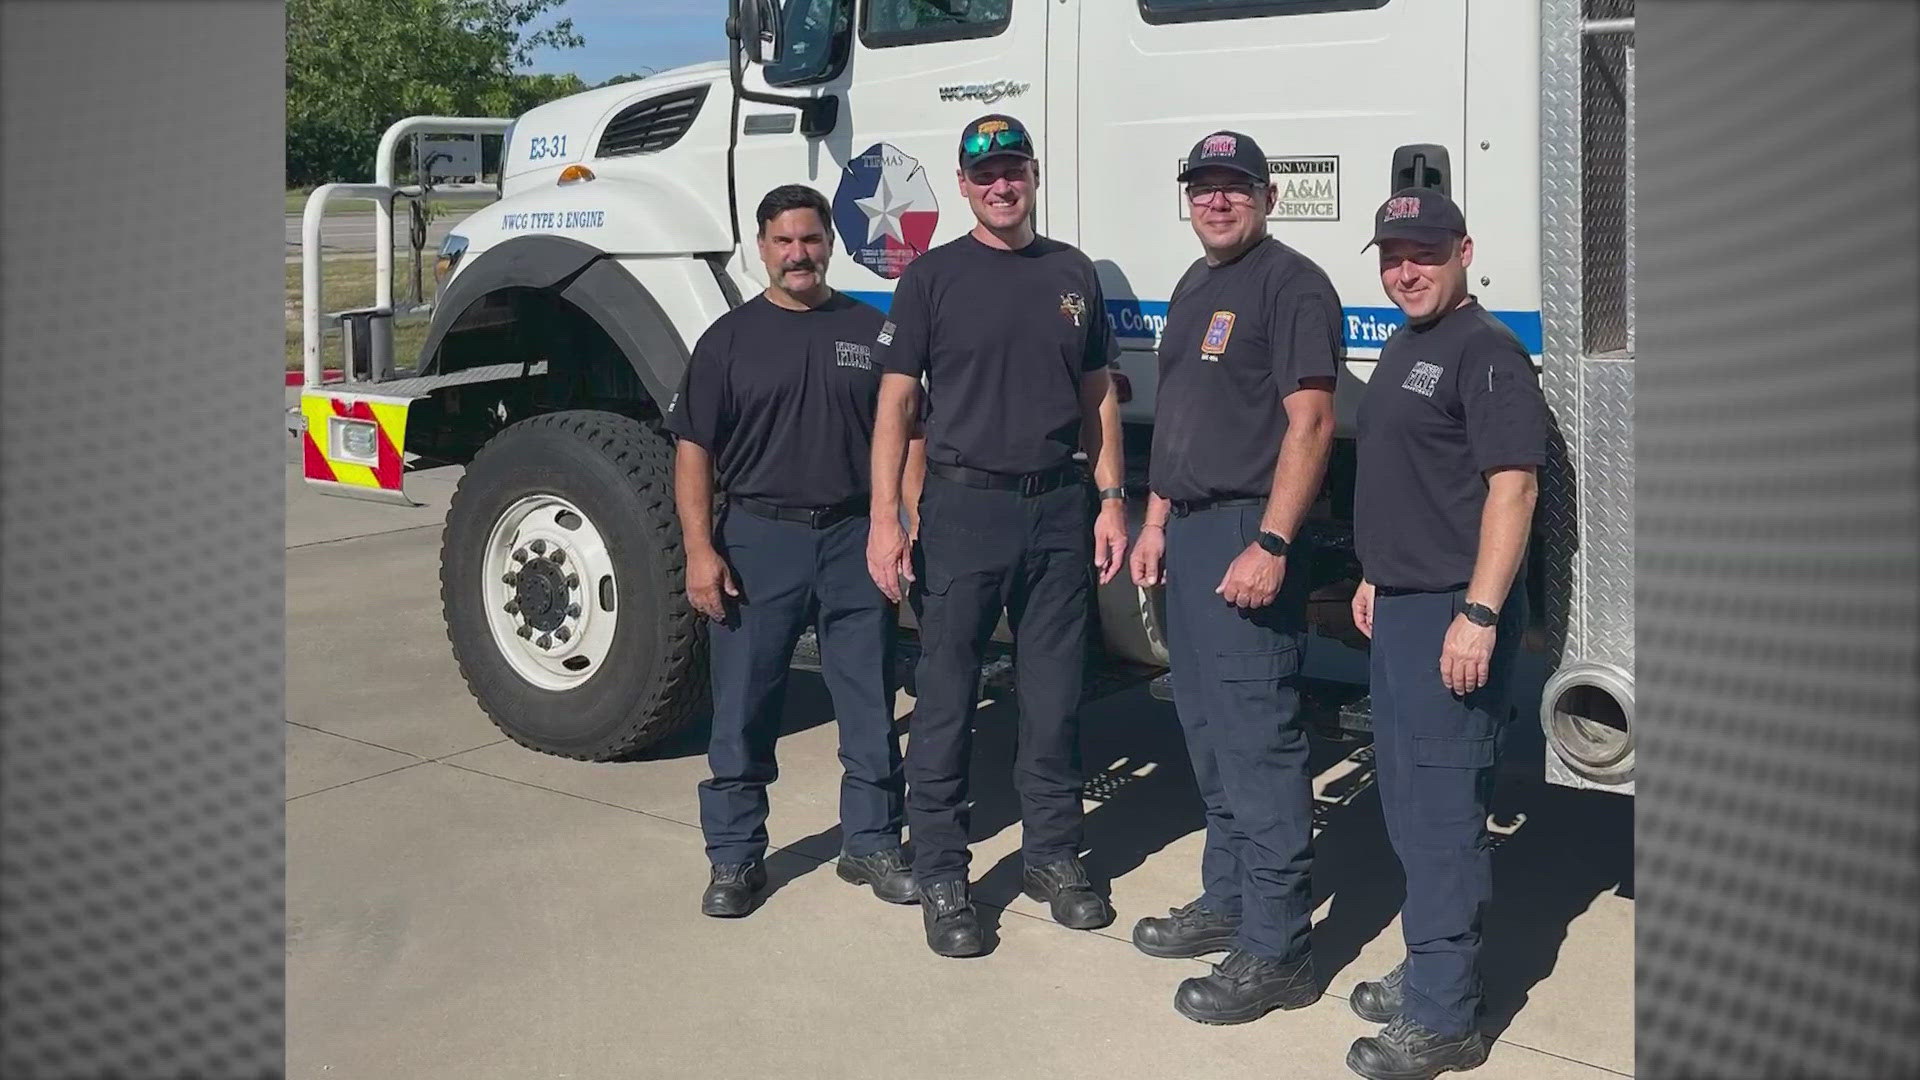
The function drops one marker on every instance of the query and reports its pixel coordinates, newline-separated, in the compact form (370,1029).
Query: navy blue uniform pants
(1434,753)
(980,551)
(790,574)
(1233,675)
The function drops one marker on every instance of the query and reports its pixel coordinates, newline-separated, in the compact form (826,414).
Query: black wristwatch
(1272,543)
(1479,614)
(1112,493)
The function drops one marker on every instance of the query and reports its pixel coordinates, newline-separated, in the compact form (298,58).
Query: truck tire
(561,571)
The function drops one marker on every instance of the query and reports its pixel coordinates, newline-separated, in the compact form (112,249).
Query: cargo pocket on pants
(1462,752)
(1262,665)
(1249,683)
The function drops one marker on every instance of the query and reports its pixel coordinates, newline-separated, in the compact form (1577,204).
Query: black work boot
(1064,887)
(1379,1000)
(885,870)
(1187,931)
(1246,987)
(953,927)
(1405,1050)
(730,893)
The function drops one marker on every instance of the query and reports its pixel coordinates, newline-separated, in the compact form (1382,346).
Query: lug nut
(512,608)
(545,642)
(509,578)
(539,547)
(573,611)
(562,634)
(525,631)
(573,581)
(520,555)
(558,556)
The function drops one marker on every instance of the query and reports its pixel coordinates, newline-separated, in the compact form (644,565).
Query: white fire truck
(564,312)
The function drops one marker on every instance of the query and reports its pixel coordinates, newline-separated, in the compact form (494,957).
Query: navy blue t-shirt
(1447,402)
(1002,339)
(784,401)
(1239,338)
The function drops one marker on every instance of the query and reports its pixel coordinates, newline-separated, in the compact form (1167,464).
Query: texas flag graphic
(884,210)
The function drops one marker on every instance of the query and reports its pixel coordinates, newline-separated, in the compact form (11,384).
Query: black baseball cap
(1422,214)
(994,135)
(1228,150)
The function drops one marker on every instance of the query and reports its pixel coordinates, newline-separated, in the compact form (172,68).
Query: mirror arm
(817,114)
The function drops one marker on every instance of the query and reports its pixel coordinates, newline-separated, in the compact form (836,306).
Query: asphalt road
(460,907)
(352,234)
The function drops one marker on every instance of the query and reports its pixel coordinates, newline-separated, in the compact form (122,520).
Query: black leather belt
(1027,484)
(814,517)
(1401,590)
(1183,507)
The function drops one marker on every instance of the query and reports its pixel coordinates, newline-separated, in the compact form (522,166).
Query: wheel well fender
(583,276)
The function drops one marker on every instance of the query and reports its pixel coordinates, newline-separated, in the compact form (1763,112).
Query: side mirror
(756,26)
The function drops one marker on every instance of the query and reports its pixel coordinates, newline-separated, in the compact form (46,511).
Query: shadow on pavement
(1556,849)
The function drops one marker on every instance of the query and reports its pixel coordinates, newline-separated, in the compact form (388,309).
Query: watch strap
(1272,543)
(1113,493)
(1479,614)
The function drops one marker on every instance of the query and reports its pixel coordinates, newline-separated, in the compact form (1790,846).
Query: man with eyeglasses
(1011,333)
(1452,430)
(1243,427)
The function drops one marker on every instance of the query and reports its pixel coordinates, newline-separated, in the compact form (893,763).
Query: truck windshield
(813,36)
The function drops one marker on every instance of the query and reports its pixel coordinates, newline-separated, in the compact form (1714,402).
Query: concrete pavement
(458,906)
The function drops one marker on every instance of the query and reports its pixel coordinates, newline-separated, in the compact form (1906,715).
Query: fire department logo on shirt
(884,210)
(1073,307)
(848,354)
(1423,378)
(1218,331)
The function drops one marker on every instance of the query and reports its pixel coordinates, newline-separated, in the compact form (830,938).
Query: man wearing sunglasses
(1242,430)
(1010,331)
(1452,428)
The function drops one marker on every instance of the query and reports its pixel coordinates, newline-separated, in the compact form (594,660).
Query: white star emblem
(884,208)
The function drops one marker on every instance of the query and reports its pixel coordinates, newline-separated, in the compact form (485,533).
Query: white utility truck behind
(565,311)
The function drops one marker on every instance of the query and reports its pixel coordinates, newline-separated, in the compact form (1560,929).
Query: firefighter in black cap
(1242,430)
(1010,331)
(1451,431)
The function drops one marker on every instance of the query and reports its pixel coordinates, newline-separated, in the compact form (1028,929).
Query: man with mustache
(778,400)
(1010,330)
(1452,429)
(1242,430)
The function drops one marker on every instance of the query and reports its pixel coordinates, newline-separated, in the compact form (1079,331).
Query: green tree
(356,66)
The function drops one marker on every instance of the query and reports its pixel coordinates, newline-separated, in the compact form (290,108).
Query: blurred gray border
(1778,825)
(141,539)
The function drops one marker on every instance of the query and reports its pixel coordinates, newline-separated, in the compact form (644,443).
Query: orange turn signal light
(573,174)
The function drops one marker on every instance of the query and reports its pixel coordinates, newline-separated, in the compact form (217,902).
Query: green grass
(347,283)
(453,204)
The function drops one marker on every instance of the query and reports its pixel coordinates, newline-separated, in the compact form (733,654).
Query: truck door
(1328,88)
(909,75)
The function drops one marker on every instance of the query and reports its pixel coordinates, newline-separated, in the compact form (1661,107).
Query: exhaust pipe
(1586,711)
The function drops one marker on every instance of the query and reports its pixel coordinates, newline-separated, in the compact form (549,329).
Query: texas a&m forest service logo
(884,210)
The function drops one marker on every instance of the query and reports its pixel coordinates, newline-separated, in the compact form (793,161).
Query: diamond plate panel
(1604,99)
(1557,519)
(1605,603)
(1585,516)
